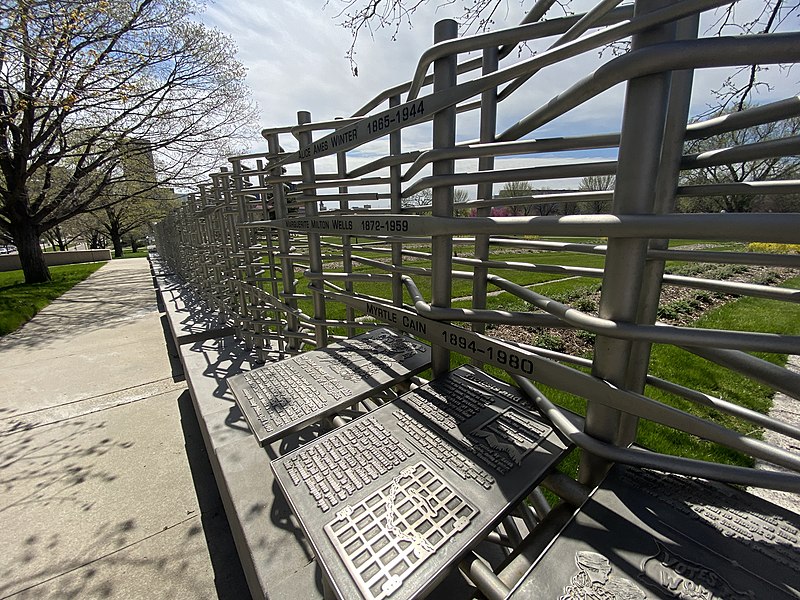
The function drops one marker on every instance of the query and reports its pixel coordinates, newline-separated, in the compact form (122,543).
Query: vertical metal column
(269,236)
(314,246)
(209,285)
(488,129)
(396,205)
(638,164)
(666,184)
(444,136)
(347,250)
(230,248)
(244,270)
(284,245)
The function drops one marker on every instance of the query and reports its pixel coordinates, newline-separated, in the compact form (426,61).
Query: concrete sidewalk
(106,488)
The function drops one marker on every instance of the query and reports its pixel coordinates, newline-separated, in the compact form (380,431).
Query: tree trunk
(62,244)
(116,240)
(134,244)
(26,238)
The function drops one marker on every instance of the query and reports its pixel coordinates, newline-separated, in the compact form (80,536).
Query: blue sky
(295,55)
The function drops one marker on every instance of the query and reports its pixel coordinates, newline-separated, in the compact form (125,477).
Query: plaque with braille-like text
(393,499)
(285,396)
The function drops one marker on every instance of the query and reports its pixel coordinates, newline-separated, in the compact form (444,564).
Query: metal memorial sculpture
(357,300)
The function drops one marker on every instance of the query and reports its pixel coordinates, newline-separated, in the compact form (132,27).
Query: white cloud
(294,53)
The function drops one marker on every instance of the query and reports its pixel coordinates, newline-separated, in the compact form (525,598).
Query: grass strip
(20,301)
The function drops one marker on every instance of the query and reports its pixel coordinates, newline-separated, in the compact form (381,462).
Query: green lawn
(19,301)
(667,362)
(674,364)
(126,253)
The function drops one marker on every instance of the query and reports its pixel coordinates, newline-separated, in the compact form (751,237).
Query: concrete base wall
(10,262)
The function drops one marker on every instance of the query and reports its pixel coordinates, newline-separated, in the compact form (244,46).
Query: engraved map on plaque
(285,396)
(386,536)
(645,534)
(393,499)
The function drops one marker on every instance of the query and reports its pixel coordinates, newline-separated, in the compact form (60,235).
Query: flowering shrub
(773,248)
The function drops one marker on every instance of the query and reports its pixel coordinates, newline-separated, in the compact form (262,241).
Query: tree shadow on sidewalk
(109,296)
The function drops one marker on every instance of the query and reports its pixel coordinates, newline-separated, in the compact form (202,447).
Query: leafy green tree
(120,219)
(85,86)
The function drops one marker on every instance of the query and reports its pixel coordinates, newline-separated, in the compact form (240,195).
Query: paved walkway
(106,488)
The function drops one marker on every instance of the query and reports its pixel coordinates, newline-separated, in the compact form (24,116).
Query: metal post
(260,248)
(230,246)
(347,250)
(444,136)
(396,205)
(284,245)
(638,164)
(666,183)
(244,270)
(314,247)
(488,129)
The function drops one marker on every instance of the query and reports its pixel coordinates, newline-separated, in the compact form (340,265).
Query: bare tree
(596,183)
(460,197)
(358,16)
(420,199)
(781,167)
(85,86)
(737,89)
(524,188)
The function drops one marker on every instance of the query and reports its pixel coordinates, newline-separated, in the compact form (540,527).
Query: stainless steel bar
(776,377)
(512,531)
(588,20)
(671,56)
(383,162)
(244,270)
(667,334)
(755,151)
(724,406)
(314,248)
(506,37)
(760,227)
(664,202)
(789,186)
(479,573)
(539,503)
(622,330)
(284,245)
(444,136)
(274,271)
(774,48)
(738,258)
(434,181)
(757,115)
(573,197)
(488,126)
(486,148)
(523,557)
(732,474)
(566,488)
(396,204)
(347,260)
